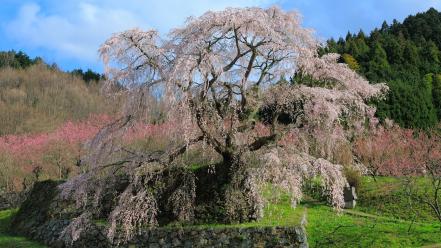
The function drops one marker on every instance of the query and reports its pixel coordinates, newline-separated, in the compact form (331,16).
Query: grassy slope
(387,197)
(381,219)
(326,229)
(10,241)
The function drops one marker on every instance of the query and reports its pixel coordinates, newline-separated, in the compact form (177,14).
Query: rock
(350,197)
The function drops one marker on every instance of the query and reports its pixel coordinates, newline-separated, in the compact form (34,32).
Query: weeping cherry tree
(229,78)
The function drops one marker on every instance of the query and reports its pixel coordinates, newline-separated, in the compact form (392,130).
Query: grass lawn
(357,229)
(381,220)
(10,241)
(387,197)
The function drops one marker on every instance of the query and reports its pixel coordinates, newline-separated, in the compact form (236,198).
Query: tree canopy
(246,84)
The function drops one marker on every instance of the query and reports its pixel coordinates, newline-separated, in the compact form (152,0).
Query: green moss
(101,222)
(10,241)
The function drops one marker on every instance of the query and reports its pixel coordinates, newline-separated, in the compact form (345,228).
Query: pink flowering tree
(414,157)
(396,151)
(423,178)
(227,79)
(387,151)
(52,155)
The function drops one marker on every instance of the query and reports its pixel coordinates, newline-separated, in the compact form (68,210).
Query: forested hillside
(36,97)
(407,57)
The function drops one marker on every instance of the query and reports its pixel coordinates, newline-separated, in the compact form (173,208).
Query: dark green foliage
(436,94)
(20,60)
(210,189)
(17,60)
(88,76)
(217,192)
(407,57)
(8,240)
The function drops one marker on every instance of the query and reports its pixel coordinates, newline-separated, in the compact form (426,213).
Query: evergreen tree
(407,56)
(351,62)
(436,94)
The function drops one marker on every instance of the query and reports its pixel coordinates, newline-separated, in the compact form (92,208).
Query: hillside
(36,97)
(407,57)
(45,114)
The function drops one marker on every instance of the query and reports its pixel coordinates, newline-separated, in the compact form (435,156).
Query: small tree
(423,181)
(387,151)
(414,157)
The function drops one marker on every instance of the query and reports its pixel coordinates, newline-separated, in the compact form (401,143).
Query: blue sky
(69,32)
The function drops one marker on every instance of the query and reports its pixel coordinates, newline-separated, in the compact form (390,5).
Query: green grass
(387,197)
(382,219)
(278,212)
(327,229)
(10,241)
(274,215)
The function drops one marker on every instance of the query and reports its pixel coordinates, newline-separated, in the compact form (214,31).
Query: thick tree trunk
(241,203)
(231,163)
(227,195)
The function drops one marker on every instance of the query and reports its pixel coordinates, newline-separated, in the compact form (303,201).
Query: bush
(353,176)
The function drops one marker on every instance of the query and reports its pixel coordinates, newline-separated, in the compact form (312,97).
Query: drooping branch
(225,72)
(262,141)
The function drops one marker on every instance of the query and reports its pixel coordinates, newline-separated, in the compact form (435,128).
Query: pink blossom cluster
(397,151)
(62,147)
(70,132)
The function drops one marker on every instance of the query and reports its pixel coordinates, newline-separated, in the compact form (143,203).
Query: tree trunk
(231,163)
(241,203)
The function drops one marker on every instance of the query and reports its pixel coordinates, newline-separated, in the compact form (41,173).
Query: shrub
(353,176)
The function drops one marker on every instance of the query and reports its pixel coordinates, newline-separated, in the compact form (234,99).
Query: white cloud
(76,31)
(72,36)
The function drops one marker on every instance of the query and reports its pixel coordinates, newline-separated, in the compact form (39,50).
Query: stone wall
(223,237)
(41,217)
(10,200)
(188,237)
